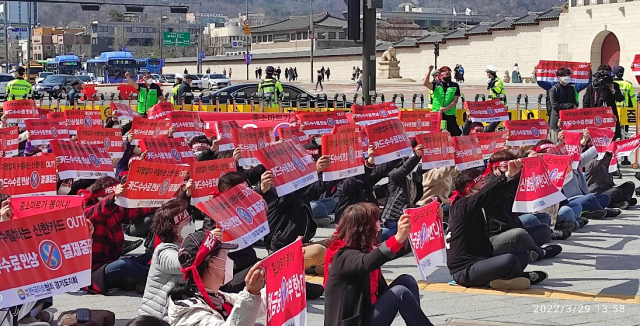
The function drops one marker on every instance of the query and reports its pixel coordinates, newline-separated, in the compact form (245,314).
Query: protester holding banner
(445,98)
(600,181)
(604,92)
(206,267)
(470,257)
(357,293)
(563,96)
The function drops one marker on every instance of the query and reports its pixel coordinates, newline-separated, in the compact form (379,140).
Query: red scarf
(373,276)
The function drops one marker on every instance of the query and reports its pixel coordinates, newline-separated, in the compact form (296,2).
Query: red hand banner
(145,128)
(345,150)
(546,71)
(286,286)
(572,146)
(436,121)
(294,133)
(205,176)
(42,131)
(250,140)
(241,213)
(18,111)
(427,238)
(491,142)
(44,255)
(389,140)
(536,191)
(109,139)
(187,123)
(438,150)
(526,132)
(468,152)
(416,122)
(82,118)
(320,123)
(368,114)
(293,168)
(34,175)
(36,205)
(123,111)
(151,184)
(487,111)
(223,130)
(167,151)
(160,110)
(601,138)
(81,161)
(559,168)
(9,141)
(579,119)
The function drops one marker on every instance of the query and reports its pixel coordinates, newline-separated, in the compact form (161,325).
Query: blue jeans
(569,213)
(390,229)
(592,202)
(322,208)
(403,297)
(529,220)
(135,268)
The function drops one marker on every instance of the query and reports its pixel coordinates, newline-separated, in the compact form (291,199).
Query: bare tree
(394,30)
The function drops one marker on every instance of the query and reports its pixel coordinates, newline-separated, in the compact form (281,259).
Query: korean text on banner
(42,131)
(468,153)
(9,141)
(223,130)
(241,213)
(526,132)
(44,255)
(293,168)
(622,148)
(416,122)
(160,110)
(187,123)
(145,128)
(546,73)
(250,140)
(167,151)
(389,140)
(535,190)
(82,161)
(205,176)
(438,150)
(487,111)
(320,123)
(35,205)
(33,176)
(436,121)
(558,167)
(579,119)
(572,146)
(427,238)
(109,139)
(123,111)
(18,111)
(52,115)
(601,138)
(292,132)
(151,184)
(82,118)
(368,114)
(286,286)
(347,159)
(491,142)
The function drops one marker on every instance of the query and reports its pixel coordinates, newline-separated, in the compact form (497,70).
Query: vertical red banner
(468,152)
(9,142)
(346,155)
(250,140)
(389,140)
(34,176)
(292,166)
(536,191)
(438,150)
(205,176)
(427,238)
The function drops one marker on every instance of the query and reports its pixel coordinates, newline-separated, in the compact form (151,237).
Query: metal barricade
(395,97)
(417,96)
(339,101)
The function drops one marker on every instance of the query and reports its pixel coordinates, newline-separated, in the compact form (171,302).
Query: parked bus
(110,67)
(34,70)
(151,65)
(64,65)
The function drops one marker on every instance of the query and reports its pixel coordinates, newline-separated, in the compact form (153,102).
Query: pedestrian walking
(353,73)
(224,71)
(229,72)
(328,72)
(359,81)
(319,80)
(278,72)
(295,73)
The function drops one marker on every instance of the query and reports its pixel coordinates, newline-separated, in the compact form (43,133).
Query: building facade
(17,13)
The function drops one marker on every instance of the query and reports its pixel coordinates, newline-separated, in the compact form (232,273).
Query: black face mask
(447,79)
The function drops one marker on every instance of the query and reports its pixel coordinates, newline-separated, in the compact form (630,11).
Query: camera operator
(603,92)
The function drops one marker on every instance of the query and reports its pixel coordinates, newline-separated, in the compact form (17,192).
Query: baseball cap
(188,77)
(270,70)
(618,70)
(20,71)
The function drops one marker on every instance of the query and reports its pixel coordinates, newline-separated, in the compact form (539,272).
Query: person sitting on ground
(506,230)
(470,257)
(357,293)
(600,181)
(437,183)
(204,263)
(145,320)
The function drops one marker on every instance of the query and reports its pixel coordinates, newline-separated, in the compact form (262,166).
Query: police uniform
(496,86)
(271,88)
(18,89)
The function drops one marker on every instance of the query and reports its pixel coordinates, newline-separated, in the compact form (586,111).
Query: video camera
(602,78)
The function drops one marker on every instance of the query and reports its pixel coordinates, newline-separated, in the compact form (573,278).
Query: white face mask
(187,229)
(228,271)
(137,151)
(148,81)
(64,190)
(489,80)
(565,80)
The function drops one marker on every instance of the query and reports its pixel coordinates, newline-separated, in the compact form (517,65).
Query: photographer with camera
(603,92)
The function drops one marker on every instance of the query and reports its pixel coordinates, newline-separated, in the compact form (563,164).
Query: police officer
(184,91)
(18,88)
(270,89)
(630,101)
(176,87)
(495,85)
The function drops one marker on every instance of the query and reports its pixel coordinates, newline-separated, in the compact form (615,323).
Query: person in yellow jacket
(495,86)
(445,98)
(630,101)
(176,87)
(18,88)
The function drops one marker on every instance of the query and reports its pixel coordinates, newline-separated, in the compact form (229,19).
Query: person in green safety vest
(18,88)
(176,87)
(445,98)
(270,89)
(495,85)
(149,93)
(630,101)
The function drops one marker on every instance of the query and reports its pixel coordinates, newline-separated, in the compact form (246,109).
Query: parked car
(42,76)
(86,79)
(196,83)
(168,78)
(4,80)
(215,81)
(157,78)
(56,85)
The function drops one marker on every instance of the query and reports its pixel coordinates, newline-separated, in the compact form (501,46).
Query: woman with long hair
(355,291)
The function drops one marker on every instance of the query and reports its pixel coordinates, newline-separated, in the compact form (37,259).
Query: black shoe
(562,234)
(613,212)
(314,291)
(584,220)
(551,251)
(597,214)
(565,226)
(633,202)
(620,204)
(130,246)
(140,287)
(536,277)
(625,162)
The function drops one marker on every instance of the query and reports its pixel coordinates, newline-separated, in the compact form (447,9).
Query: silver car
(215,81)
(196,83)
(4,80)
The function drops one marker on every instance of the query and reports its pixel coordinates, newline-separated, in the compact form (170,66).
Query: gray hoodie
(247,308)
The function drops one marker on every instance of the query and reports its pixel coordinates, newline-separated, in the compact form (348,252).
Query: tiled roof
(301,22)
(433,38)
(551,14)
(407,42)
(457,34)
(506,23)
(528,19)
(482,28)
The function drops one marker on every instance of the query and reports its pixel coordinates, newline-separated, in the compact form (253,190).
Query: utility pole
(200,32)
(161,35)
(311,40)
(29,16)
(248,39)
(369,48)
(6,37)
